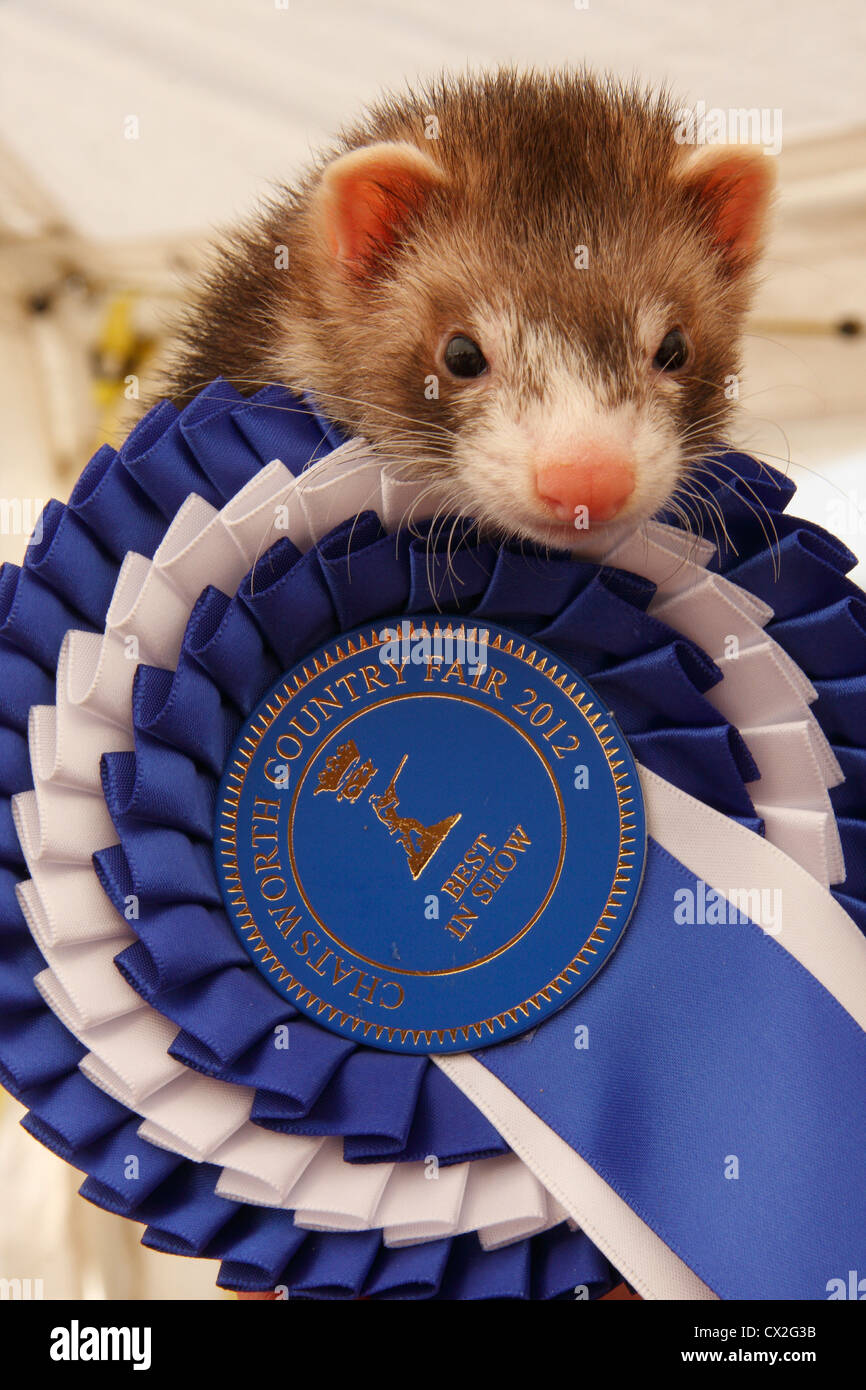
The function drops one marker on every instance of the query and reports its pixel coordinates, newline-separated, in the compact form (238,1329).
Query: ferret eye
(463,357)
(673,351)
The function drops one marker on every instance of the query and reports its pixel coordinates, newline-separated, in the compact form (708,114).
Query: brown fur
(535,166)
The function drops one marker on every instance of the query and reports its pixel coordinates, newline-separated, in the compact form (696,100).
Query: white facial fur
(543,398)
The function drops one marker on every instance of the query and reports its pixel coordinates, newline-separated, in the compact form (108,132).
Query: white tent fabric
(231,93)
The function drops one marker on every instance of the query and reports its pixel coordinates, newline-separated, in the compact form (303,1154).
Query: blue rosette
(149,788)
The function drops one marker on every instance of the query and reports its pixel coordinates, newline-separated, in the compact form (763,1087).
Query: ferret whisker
(714,511)
(463,538)
(766,420)
(731,405)
(776,342)
(443,515)
(756,512)
(408,516)
(375,489)
(711,463)
(679,503)
(707,506)
(385,410)
(695,518)
(706,422)
(676,511)
(429,554)
(816,473)
(450,572)
(416,464)
(469,530)
(424,426)
(447,575)
(194,385)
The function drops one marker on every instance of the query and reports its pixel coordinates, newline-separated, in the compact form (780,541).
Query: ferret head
(525,290)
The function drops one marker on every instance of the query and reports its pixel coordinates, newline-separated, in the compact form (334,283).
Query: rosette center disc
(430,838)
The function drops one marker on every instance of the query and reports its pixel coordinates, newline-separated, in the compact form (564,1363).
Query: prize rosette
(388,913)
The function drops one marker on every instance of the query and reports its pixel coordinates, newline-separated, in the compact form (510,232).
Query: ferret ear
(365,198)
(733,186)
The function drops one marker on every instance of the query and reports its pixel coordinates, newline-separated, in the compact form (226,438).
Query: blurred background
(129,131)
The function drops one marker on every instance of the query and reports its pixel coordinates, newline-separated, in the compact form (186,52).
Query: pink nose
(600,481)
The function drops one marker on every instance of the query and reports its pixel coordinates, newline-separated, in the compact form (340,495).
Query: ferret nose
(599,480)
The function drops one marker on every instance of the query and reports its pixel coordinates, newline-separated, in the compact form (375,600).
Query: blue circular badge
(430,837)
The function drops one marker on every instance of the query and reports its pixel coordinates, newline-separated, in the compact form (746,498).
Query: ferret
(518,286)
